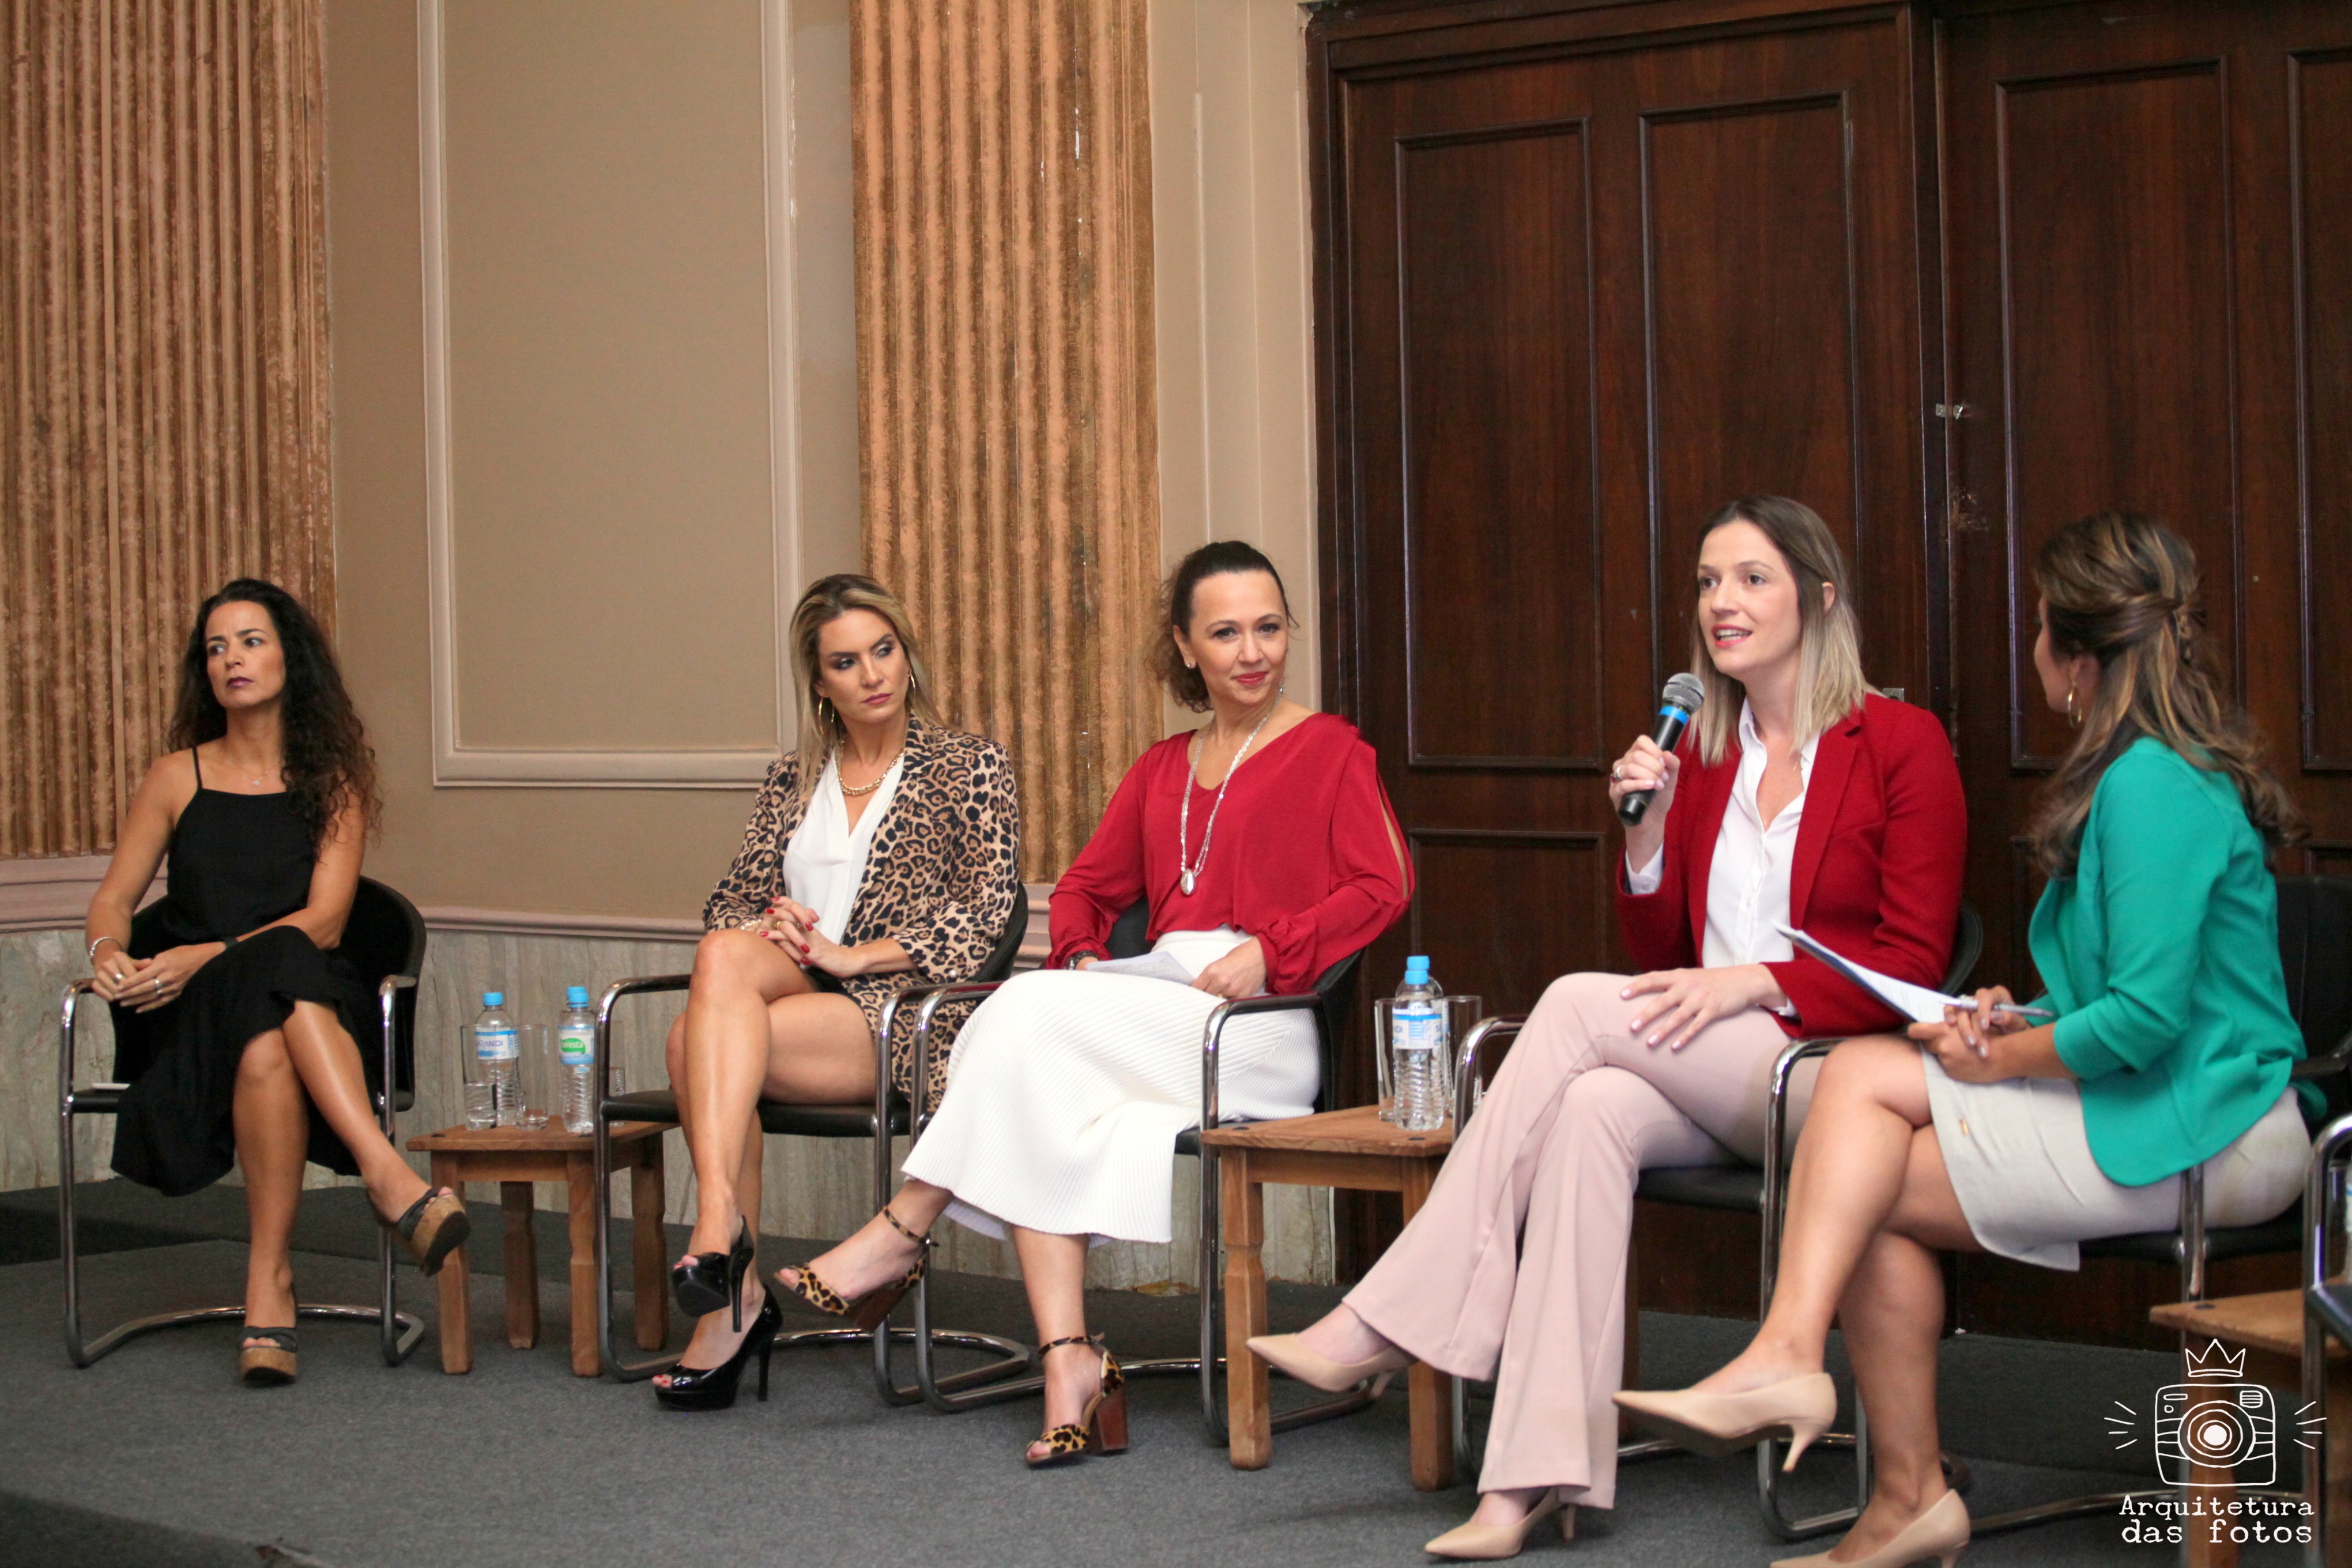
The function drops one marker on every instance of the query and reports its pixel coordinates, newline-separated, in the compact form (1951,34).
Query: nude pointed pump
(1475,1542)
(1290,1353)
(1719,1424)
(1940,1532)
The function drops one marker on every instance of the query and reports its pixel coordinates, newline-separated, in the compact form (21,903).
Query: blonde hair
(2123,589)
(828,600)
(1829,643)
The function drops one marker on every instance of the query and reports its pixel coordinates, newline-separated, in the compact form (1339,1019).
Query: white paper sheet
(1150,966)
(1917,1003)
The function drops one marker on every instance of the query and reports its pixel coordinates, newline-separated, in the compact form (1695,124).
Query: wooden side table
(1350,1148)
(515,1159)
(2269,1328)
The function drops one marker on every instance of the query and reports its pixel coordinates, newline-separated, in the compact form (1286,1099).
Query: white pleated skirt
(1066,1090)
(2021,1166)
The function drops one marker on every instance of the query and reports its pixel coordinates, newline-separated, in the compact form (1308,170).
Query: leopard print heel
(868,1311)
(1102,1429)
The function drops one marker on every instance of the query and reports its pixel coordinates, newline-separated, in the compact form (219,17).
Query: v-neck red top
(1306,857)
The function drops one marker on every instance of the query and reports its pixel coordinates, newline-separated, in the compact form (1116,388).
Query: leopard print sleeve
(948,935)
(758,874)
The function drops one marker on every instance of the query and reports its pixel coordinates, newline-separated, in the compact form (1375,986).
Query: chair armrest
(1487,1031)
(2325,1150)
(386,995)
(2309,1067)
(928,999)
(67,1003)
(1212,1036)
(642,985)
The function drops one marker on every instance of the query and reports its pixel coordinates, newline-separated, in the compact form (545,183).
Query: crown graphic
(2217,1362)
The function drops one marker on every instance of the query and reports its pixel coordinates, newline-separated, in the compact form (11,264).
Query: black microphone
(1683,697)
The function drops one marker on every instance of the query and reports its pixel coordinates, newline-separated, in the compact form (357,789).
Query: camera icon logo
(2219,1421)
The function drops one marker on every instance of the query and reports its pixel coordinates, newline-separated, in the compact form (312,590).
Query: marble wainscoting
(814,1187)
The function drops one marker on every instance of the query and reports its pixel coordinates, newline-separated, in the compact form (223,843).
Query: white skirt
(2020,1165)
(1066,1090)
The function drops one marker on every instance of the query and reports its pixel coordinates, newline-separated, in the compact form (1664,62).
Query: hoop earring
(2073,720)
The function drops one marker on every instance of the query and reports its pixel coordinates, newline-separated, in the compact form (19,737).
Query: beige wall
(650,435)
(1232,275)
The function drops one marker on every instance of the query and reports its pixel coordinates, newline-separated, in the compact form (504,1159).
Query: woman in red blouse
(1268,852)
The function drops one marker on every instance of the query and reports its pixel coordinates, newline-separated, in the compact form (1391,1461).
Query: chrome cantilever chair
(384,939)
(2326,1311)
(886,1117)
(1329,1003)
(1738,1189)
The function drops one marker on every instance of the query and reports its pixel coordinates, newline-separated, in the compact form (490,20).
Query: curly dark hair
(328,764)
(1160,659)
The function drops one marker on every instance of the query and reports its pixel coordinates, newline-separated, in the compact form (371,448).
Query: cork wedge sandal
(434,1226)
(266,1365)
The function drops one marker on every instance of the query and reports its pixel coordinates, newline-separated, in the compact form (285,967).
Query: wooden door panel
(2114,285)
(1513,912)
(1753,381)
(2320,108)
(1501,522)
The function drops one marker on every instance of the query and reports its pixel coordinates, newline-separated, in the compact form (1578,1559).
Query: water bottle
(499,1049)
(576,1043)
(1417,1049)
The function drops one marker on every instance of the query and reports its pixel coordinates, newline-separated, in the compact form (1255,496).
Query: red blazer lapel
(1825,795)
(1706,827)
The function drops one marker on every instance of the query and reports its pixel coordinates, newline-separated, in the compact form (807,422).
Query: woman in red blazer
(1799,797)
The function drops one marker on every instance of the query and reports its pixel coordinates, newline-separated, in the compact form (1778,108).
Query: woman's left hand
(1970,1045)
(162,979)
(817,951)
(1691,999)
(1241,972)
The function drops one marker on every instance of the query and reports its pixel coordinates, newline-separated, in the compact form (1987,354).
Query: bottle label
(496,1045)
(1418,1028)
(578,1044)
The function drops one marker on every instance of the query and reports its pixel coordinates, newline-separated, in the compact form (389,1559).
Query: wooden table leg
(1429,1390)
(580,1187)
(646,1194)
(1249,1417)
(2209,1544)
(522,1267)
(453,1283)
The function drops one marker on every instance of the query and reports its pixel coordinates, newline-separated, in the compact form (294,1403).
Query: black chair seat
(1739,1188)
(792,1121)
(2284,1233)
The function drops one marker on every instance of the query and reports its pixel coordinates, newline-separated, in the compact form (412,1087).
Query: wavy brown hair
(1188,688)
(328,765)
(2123,589)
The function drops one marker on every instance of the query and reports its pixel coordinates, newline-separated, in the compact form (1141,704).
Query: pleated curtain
(163,371)
(1008,449)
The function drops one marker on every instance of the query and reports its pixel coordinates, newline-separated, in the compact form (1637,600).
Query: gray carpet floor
(157,1457)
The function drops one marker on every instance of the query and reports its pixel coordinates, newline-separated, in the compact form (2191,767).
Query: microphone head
(1685,691)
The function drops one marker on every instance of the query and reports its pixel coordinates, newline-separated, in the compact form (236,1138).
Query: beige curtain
(163,399)
(1007,438)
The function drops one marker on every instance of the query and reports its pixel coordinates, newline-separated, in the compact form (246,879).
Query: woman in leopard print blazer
(883,855)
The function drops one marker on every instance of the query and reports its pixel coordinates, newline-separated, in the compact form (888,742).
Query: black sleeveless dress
(237,862)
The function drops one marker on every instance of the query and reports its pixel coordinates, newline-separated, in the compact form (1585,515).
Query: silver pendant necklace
(1192,868)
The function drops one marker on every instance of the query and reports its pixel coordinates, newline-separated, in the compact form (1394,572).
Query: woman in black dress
(233,1015)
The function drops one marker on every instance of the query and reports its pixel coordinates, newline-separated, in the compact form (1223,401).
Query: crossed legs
(1870,1205)
(309,1060)
(754,1025)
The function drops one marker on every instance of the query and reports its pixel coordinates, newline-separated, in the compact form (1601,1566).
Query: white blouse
(824,864)
(1748,886)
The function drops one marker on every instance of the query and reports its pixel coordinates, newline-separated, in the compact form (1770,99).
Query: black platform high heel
(710,1280)
(713,1387)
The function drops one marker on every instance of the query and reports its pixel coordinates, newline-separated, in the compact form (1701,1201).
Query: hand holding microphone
(1646,776)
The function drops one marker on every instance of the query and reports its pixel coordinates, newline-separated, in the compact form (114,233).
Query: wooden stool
(2269,1329)
(514,1159)
(1354,1149)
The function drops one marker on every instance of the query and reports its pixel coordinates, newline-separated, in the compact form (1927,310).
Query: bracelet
(228,942)
(99,943)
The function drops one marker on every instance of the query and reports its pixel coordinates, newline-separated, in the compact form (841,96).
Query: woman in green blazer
(2164,1042)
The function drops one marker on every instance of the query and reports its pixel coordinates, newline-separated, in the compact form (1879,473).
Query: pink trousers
(1515,1268)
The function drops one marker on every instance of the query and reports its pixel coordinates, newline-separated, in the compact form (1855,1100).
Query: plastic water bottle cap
(577,997)
(1417,964)
(494,998)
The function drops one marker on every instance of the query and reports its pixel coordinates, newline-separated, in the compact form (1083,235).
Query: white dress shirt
(824,864)
(1747,884)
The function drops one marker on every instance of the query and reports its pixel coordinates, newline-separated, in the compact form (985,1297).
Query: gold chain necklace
(867,789)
